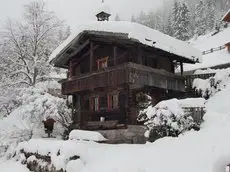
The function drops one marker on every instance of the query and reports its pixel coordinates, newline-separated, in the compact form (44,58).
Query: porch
(135,75)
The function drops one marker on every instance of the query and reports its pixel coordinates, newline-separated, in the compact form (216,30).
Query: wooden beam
(181,68)
(115,55)
(139,55)
(70,69)
(78,108)
(77,61)
(79,48)
(91,57)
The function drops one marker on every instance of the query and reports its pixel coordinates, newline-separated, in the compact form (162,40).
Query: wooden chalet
(109,69)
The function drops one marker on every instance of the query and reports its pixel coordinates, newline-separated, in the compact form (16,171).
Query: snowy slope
(207,42)
(206,150)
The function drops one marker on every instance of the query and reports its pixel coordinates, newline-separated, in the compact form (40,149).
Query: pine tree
(117,18)
(184,23)
(133,19)
(200,18)
(175,19)
(142,18)
(169,27)
(210,15)
(158,21)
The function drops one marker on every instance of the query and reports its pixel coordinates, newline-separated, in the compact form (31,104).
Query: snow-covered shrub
(166,119)
(143,100)
(212,85)
(34,104)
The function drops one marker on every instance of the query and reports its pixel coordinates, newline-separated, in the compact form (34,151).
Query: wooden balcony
(133,74)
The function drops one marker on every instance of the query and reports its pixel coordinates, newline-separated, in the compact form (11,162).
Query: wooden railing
(213,50)
(197,113)
(133,74)
(143,75)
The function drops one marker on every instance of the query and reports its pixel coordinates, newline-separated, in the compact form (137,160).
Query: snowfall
(206,150)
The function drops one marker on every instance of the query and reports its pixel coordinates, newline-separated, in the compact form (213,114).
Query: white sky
(75,12)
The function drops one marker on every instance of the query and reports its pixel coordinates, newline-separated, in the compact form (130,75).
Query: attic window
(102,63)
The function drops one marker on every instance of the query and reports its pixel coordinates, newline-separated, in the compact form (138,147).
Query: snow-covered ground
(207,150)
(12,166)
(207,42)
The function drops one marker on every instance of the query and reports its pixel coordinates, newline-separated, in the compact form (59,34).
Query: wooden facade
(107,71)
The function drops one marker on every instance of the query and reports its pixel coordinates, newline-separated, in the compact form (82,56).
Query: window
(102,63)
(112,101)
(95,103)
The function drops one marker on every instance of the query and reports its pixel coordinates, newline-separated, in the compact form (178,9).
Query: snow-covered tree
(200,18)
(210,15)
(169,28)
(133,19)
(29,43)
(175,18)
(184,32)
(166,119)
(117,18)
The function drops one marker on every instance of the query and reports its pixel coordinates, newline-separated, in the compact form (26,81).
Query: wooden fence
(197,113)
(213,50)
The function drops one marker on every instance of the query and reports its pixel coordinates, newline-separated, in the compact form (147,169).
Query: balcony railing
(133,74)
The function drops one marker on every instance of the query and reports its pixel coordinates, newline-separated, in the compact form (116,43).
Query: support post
(127,102)
(91,57)
(181,69)
(139,55)
(70,69)
(115,55)
(76,110)
(79,110)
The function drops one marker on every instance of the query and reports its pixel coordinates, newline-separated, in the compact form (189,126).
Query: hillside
(207,42)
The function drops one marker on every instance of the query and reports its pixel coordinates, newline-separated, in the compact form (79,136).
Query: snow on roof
(136,32)
(206,43)
(210,60)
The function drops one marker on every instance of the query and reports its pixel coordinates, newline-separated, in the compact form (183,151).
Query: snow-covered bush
(167,118)
(34,104)
(212,85)
(143,100)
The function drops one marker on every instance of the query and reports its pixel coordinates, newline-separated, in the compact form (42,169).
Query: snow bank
(61,152)
(137,32)
(206,150)
(211,86)
(10,166)
(86,135)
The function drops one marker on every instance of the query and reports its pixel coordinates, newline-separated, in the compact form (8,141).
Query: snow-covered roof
(213,59)
(226,16)
(134,32)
